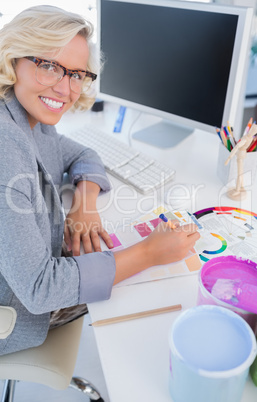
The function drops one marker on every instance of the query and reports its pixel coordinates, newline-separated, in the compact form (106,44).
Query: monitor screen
(180,61)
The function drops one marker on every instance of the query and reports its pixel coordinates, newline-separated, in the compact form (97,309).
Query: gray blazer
(34,278)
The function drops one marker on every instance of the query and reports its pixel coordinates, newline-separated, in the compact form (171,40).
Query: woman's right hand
(165,245)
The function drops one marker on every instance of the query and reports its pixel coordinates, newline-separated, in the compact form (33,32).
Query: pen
(165,219)
(195,220)
(119,120)
(134,316)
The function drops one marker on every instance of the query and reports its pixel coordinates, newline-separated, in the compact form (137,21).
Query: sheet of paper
(126,236)
(233,230)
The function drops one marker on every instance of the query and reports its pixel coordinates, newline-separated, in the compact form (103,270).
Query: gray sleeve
(82,163)
(97,272)
(42,282)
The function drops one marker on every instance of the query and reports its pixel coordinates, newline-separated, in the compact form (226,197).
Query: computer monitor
(184,62)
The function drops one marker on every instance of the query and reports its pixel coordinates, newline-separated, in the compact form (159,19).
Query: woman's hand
(166,245)
(163,246)
(83,223)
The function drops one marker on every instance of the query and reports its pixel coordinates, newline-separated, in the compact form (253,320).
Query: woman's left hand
(83,223)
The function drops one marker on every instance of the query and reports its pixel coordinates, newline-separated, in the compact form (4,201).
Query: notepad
(127,235)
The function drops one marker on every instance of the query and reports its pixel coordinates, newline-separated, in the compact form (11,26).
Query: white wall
(245,3)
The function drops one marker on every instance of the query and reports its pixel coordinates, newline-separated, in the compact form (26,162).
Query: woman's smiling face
(48,104)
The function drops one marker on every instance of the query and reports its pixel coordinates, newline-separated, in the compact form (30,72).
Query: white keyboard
(128,165)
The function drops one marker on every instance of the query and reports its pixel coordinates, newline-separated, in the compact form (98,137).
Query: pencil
(232,139)
(232,136)
(252,145)
(230,144)
(218,132)
(135,316)
(247,128)
(165,219)
(223,136)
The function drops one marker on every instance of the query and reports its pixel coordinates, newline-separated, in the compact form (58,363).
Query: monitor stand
(163,134)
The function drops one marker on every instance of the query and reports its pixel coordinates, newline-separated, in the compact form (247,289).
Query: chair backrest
(51,363)
(8,317)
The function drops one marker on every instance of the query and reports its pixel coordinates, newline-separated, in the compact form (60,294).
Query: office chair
(51,363)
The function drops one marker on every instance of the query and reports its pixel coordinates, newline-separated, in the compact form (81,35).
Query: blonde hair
(39,30)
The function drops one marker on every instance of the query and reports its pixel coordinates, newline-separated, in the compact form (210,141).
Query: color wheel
(233,232)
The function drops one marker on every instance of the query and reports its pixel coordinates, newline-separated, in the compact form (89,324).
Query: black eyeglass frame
(66,71)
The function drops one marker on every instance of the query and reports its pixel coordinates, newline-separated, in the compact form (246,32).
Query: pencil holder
(229,172)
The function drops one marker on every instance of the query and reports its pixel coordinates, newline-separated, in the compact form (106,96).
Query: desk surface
(135,354)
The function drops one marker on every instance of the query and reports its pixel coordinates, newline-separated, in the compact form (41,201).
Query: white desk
(135,354)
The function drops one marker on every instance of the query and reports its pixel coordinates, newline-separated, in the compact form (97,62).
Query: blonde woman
(46,66)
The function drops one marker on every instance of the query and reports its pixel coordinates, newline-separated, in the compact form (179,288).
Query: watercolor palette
(233,230)
(127,235)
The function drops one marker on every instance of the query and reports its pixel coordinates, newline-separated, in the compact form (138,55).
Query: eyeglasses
(49,73)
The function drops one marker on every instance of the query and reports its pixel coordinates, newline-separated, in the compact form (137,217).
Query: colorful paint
(223,279)
(205,365)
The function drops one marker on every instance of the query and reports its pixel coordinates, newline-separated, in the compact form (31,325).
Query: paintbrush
(236,292)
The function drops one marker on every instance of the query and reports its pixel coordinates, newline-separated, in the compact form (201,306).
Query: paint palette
(233,232)
(127,235)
